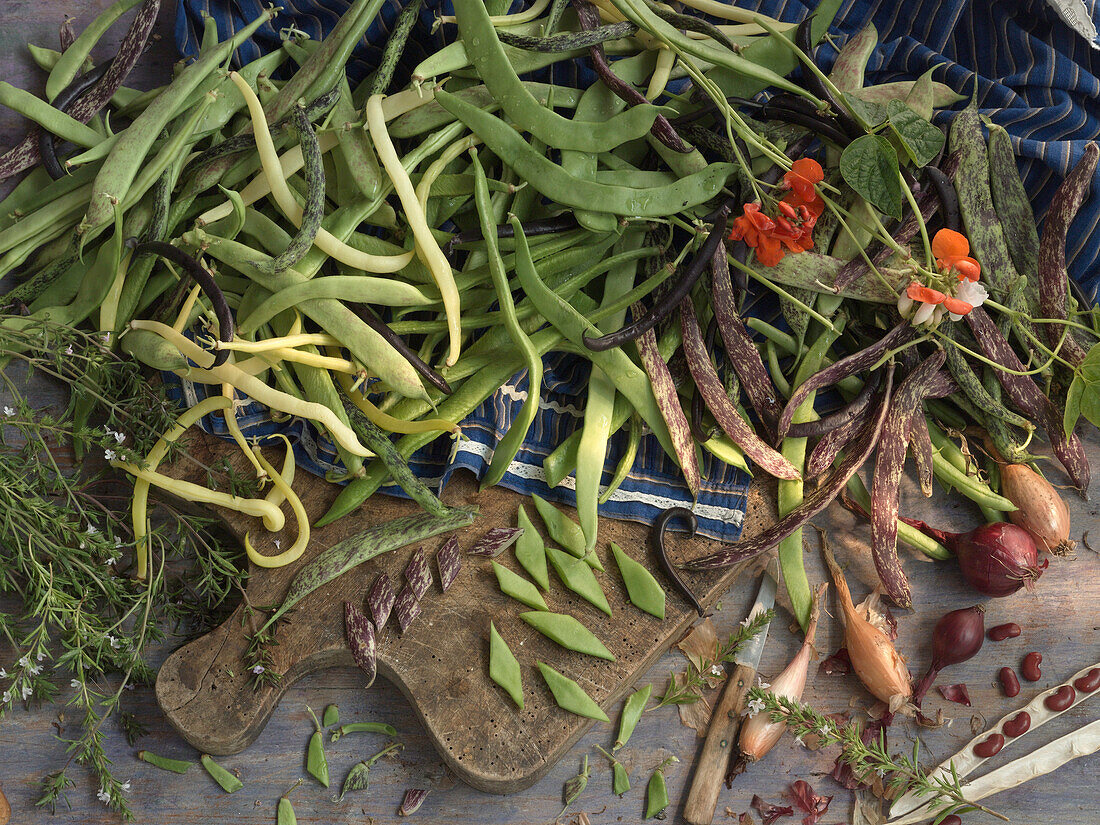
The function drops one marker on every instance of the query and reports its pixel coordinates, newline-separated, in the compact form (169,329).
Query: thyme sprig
(901,773)
(687,687)
(83,627)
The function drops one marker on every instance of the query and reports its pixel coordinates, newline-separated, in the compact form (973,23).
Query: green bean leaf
(920,139)
(870,115)
(1083,397)
(870,166)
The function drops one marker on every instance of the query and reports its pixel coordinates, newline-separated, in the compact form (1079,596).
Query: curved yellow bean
(254,388)
(666,59)
(139,507)
(316,339)
(313,359)
(276,495)
(388,422)
(426,245)
(451,153)
(235,433)
(185,310)
(280,190)
(727,11)
(294,552)
(525,16)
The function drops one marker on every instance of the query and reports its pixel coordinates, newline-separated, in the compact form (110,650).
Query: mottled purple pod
(380,600)
(920,442)
(414,798)
(360,633)
(407,607)
(449,561)
(418,573)
(495,541)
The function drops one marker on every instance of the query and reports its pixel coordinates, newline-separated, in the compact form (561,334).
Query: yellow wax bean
(294,552)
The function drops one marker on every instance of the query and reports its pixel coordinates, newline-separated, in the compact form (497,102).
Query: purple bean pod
(589,19)
(889,462)
(1027,396)
(418,573)
(927,201)
(813,504)
(852,364)
(26,154)
(360,634)
(725,413)
(1053,276)
(828,423)
(406,607)
(495,541)
(380,599)
(449,561)
(743,355)
(414,798)
(829,446)
(668,401)
(920,442)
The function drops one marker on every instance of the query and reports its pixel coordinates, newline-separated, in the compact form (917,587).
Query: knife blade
(725,719)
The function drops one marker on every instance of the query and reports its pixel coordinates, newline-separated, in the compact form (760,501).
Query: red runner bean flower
(791,230)
(954,297)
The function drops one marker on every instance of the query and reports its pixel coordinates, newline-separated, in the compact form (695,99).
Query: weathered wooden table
(1059,620)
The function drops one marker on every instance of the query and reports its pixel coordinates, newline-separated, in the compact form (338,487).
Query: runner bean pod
(568,632)
(641,588)
(569,695)
(514,585)
(503,667)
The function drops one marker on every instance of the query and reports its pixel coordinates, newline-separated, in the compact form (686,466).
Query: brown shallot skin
(990,746)
(1009,683)
(1061,699)
(1018,725)
(1030,668)
(1004,631)
(1041,510)
(1089,682)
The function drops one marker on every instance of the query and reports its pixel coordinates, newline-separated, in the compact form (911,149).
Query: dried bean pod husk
(407,607)
(449,561)
(414,798)
(380,599)
(813,504)
(495,541)
(575,786)
(360,634)
(418,574)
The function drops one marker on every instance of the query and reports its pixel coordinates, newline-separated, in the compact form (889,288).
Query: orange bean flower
(952,251)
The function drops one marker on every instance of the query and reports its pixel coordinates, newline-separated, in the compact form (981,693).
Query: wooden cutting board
(441,662)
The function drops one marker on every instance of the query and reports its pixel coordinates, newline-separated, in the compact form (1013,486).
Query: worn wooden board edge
(176,687)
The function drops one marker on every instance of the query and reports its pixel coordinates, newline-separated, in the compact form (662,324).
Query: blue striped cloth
(1034,75)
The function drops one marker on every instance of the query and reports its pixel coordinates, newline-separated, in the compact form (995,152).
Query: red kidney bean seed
(990,747)
(1030,668)
(1004,631)
(1009,683)
(1017,725)
(953,819)
(1089,682)
(1061,698)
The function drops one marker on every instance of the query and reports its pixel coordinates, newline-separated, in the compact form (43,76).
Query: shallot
(958,636)
(1040,510)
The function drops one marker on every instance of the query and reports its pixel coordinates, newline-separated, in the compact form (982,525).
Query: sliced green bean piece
(514,585)
(164,763)
(578,577)
(568,632)
(633,708)
(620,783)
(561,528)
(228,782)
(656,793)
(363,727)
(569,695)
(503,667)
(530,552)
(641,587)
(316,761)
(285,813)
(331,717)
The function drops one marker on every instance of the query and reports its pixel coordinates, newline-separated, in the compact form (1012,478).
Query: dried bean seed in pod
(1061,699)
(514,585)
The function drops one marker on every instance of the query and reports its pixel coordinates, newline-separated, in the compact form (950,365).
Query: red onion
(995,559)
(958,636)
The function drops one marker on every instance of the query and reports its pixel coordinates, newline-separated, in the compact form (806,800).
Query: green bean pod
(229,783)
(633,709)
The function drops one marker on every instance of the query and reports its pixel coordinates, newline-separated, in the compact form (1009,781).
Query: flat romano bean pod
(561,528)
(569,695)
(360,635)
(406,607)
(568,632)
(164,763)
(503,667)
(495,541)
(530,552)
(578,577)
(633,708)
(642,588)
(514,585)
(449,561)
(418,573)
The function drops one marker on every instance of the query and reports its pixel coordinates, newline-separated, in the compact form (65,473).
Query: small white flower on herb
(103,796)
(3,673)
(41,655)
(113,642)
(278,543)
(799,742)
(34,670)
(106,337)
(880,772)
(760,683)
(74,683)
(754,707)
(6,697)
(258,669)
(26,690)
(125,786)
(118,541)
(110,455)
(69,349)
(25,662)
(9,412)
(715,670)
(128,686)
(92,530)
(826,729)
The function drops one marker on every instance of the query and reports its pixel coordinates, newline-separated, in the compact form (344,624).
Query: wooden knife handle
(714,759)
